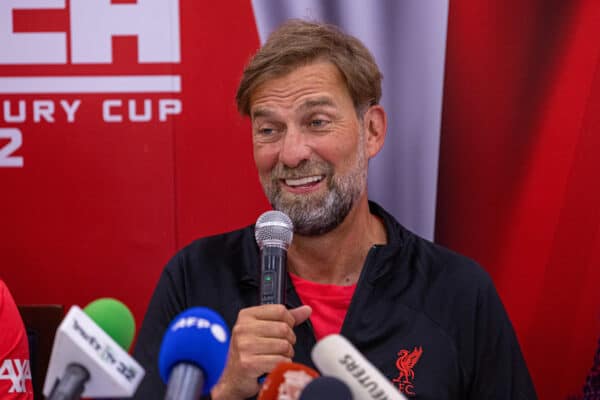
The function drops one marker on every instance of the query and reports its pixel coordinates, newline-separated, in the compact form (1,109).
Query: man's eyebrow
(261,112)
(317,102)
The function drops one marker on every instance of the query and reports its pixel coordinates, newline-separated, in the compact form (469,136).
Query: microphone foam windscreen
(197,336)
(286,381)
(273,228)
(326,387)
(114,318)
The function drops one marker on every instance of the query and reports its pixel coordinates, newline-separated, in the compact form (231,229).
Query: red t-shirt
(15,373)
(329,304)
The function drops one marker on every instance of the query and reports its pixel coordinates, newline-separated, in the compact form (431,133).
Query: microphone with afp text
(193,353)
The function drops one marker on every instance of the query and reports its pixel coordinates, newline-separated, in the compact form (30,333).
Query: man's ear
(375,125)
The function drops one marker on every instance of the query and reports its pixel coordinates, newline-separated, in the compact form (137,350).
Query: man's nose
(294,147)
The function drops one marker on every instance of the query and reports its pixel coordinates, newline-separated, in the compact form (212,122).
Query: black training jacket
(429,319)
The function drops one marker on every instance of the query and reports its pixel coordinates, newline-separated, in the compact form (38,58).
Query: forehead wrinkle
(276,98)
(301,89)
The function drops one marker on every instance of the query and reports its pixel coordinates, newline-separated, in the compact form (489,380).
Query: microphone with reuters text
(193,353)
(326,387)
(89,357)
(334,355)
(286,381)
(273,232)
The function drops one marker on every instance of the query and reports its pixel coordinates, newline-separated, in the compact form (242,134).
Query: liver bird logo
(405,363)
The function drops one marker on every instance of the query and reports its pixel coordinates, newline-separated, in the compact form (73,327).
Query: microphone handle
(185,382)
(273,261)
(72,383)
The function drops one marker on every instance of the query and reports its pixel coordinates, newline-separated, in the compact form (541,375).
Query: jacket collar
(375,264)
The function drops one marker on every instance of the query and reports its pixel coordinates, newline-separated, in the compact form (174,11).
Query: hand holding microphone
(262,337)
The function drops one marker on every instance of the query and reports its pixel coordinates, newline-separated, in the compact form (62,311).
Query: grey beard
(315,216)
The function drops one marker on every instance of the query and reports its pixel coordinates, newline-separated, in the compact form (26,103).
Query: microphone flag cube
(79,340)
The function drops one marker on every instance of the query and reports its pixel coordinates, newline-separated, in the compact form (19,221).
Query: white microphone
(335,356)
(87,358)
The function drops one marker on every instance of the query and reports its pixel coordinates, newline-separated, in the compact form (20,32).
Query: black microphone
(273,232)
(326,387)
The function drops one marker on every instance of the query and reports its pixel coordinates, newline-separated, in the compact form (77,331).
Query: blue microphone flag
(197,336)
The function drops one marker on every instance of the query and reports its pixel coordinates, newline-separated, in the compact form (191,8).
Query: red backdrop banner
(105,195)
(120,143)
(517,183)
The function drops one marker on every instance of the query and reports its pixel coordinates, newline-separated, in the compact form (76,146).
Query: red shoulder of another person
(15,371)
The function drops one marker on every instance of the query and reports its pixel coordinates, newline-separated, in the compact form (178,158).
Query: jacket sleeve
(167,301)
(499,368)
(173,295)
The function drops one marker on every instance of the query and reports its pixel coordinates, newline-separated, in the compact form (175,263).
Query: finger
(265,346)
(269,312)
(255,366)
(264,329)
(300,314)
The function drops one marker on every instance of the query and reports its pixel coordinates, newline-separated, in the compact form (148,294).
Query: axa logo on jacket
(17,372)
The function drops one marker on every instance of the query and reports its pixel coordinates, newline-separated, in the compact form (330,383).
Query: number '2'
(7,160)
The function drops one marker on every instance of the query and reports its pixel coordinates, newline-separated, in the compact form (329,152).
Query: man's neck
(338,256)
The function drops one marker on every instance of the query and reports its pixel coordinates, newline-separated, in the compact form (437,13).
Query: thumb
(301,314)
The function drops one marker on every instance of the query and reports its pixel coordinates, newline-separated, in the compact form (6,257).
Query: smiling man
(311,147)
(428,318)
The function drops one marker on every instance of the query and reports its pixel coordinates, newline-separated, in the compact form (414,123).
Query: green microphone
(114,318)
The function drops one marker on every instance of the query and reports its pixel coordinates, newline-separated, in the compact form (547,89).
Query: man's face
(309,147)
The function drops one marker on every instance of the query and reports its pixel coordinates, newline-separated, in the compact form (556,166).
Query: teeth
(303,181)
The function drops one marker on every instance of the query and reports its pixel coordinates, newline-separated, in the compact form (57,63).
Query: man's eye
(318,123)
(266,135)
(266,131)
